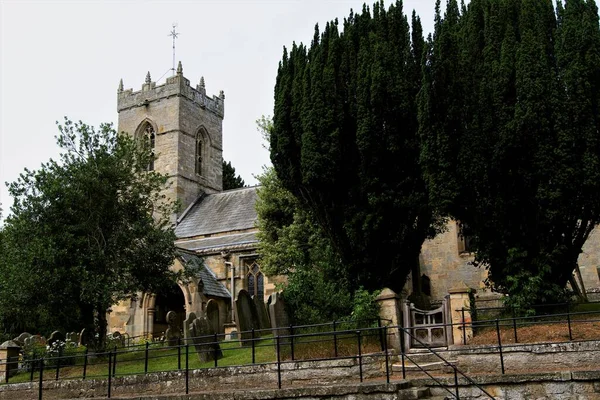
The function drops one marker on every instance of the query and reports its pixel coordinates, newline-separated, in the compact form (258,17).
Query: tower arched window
(149,137)
(201,156)
(199,148)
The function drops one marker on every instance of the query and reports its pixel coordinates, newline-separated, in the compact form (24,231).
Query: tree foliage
(509,119)
(230,179)
(84,233)
(344,142)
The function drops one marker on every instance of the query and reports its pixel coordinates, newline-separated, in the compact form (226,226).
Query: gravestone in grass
(212,313)
(172,334)
(261,313)
(203,337)
(279,317)
(187,326)
(246,317)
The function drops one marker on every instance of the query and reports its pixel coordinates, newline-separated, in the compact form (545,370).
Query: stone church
(216,229)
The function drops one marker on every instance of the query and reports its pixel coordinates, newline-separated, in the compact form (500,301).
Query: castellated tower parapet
(186,128)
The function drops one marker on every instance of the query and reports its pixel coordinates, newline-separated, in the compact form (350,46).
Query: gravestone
(55,336)
(86,337)
(35,340)
(20,340)
(212,313)
(72,337)
(187,326)
(172,334)
(203,337)
(246,317)
(279,317)
(261,313)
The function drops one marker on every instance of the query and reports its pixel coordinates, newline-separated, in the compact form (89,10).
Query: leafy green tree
(84,233)
(509,126)
(230,179)
(344,142)
(291,244)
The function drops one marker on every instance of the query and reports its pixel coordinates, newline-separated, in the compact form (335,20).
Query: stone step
(427,366)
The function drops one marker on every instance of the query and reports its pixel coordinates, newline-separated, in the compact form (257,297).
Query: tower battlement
(176,85)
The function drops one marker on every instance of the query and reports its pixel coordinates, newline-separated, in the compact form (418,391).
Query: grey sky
(65,58)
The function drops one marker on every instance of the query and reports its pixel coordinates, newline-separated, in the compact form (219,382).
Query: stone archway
(170,299)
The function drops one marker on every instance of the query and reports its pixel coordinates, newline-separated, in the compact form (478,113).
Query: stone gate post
(389,311)
(460,311)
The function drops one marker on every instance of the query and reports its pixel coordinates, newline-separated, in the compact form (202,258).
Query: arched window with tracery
(255,279)
(201,156)
(147,136)
(150,139)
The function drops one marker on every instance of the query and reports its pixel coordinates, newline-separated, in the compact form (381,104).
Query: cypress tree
(353,159)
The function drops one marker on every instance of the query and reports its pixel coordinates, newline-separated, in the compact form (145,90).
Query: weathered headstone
(212,313)
(56,336)
(279,317)
(35,340)
(203,337)
(20,340)
(246,317)
(72,337)
(172,334)
(86,337)
(261,313)
(187,326)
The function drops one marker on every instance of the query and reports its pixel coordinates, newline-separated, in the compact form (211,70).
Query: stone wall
(226,379)
(447,267)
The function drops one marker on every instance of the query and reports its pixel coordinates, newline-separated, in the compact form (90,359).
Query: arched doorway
(170,299)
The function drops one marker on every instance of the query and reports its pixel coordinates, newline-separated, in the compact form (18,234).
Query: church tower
(184,127)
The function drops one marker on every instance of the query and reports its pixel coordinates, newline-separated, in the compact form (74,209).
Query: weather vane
(174,35)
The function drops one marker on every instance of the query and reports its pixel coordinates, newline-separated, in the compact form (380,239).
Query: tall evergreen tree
(508,116)
(345,144)
(230,179)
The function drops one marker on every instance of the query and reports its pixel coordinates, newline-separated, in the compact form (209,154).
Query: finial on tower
(120,89)
(179,69)
(148,79)
(202,82)
(222,95)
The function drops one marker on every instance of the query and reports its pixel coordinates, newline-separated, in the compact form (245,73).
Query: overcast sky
(65,58)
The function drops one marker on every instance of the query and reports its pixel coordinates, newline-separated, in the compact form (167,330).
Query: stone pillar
(150,323)
(9,359)
(460,311)
(389,312)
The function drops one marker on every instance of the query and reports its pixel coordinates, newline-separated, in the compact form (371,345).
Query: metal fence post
(41,378)
(387,367)
(253,353)
(500,345)
(456,383)
(292,341)
(187,369)
(569,321)
(360,371)
(381,338)
(401,331)
(114,366)
(278,363)
(515,325)
(109,372)
(335,347)
(32,366)
(464,326)
(216,350)
(146,358)
(85,362)
(58,363)
(179,354)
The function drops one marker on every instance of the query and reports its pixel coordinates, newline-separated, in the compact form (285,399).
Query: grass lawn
(131,361)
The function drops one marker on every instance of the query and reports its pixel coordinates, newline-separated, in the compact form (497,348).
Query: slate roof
(212,287)
(216,244)
(232,210)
